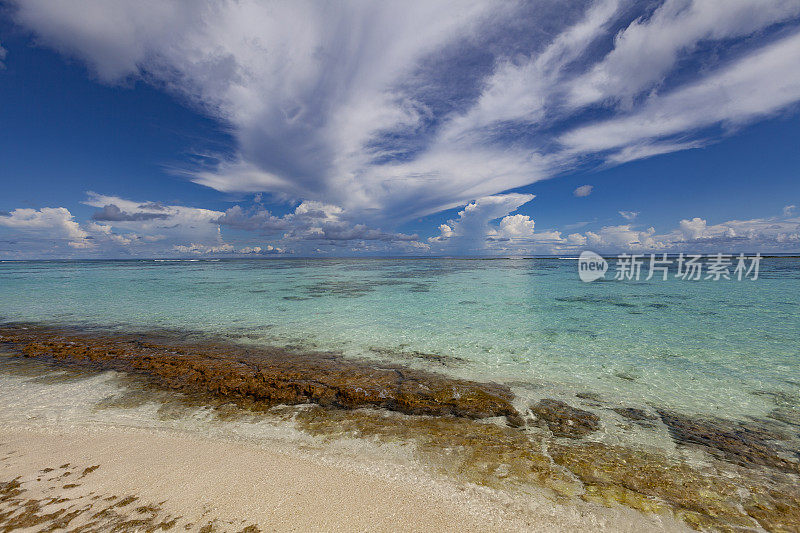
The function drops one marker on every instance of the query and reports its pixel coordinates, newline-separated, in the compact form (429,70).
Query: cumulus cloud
(122,228)
(516,226)
(690,235)
(52,224)
(167,224)
(583,191)
(470,231)
(789,210)
(628,215)
(393,110)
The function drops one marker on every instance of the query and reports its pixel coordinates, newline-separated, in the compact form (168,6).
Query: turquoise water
(728,348)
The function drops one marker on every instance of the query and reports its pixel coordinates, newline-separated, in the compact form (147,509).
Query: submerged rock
(632,413)
(563,420)
(262,378)
(737,442)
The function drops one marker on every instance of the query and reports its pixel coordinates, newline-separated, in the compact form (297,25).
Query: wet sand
(139,480)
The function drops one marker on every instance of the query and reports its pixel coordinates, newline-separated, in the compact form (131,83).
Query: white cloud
(313,222)
(195,248)
(50,223)
(648,49)
(3,53)
(202,249)
(759,84)
(628,215)
(127,222)
(122,227)
(514,226)
(379,108)
(693,229)
(583,191)
(623,237)
(469,232)
(789,210)
(691,235)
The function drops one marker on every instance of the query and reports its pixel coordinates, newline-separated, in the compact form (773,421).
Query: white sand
(231,485)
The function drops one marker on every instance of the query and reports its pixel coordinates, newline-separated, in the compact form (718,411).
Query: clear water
(727,348)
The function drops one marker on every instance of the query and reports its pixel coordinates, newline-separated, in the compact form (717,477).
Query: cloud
(3,53)
(789,210)
(765,235)
(257,220)
(647,50)
(757,85)
(202,249)
(583,191)
(112,213)
(393,110)
(469,232)
(312,222)
(172,224)
(628,215)
(514,226)
(50,224)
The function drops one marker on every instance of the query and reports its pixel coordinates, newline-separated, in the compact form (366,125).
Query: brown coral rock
(565,420)
(261,378)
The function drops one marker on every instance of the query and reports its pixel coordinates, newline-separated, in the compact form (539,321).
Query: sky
(248,128)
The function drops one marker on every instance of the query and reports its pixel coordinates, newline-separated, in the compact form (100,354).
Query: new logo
(591,266)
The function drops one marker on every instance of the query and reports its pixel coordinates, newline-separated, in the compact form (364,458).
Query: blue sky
(153,129)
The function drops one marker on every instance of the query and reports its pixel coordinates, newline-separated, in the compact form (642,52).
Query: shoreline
(136,479)
(541,465)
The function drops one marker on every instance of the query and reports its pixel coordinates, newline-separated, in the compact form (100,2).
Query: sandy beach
(136,480)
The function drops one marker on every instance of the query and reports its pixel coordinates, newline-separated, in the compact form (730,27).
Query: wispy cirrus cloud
(391,110)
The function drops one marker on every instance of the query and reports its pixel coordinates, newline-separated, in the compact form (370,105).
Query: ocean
(669,367)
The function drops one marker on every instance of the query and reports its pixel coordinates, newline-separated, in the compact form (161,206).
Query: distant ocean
(676,368)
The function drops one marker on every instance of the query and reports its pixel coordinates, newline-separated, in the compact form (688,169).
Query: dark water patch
(419,287)
(356,288)
(627,376)
(344,289)
(787,415)
(596,300)
(779,397)
(468,302)
(400,354)
(295,298)
(591,396)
